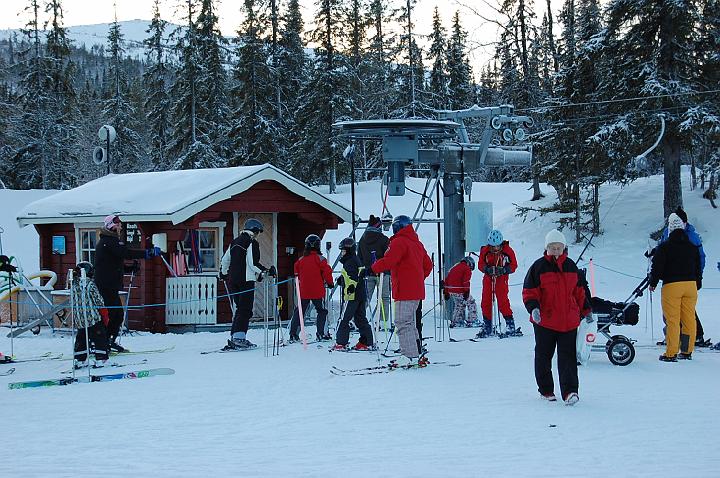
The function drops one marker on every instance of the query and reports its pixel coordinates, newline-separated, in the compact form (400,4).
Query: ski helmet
(348,244)
(495,238)
(87,267)
(312,243)
(400,222)
(253,225)
(469,261)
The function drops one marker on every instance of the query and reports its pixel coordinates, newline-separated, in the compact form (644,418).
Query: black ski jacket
(351,263)
(110,256)
(676,260)
(238,251)
(372,240)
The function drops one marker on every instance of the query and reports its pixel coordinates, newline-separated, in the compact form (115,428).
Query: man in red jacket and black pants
(554,294)
(409,265)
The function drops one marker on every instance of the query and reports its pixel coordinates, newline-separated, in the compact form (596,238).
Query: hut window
(204,249)
(88,240)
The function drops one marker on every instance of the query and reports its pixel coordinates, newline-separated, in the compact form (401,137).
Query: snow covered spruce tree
(381,94)
(291,74)
(253,130)
(128,152)
(189,147)
(157,100)
(650,43)
(321,102)
(460,88)
(438,87)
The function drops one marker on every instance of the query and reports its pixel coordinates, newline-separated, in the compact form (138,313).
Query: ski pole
(267,317)
(72,318)
(127,304)
(84,315)
(301,314)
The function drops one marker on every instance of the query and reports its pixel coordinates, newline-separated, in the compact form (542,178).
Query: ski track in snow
(250,415)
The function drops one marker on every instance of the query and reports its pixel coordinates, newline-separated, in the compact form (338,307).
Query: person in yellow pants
(677,264)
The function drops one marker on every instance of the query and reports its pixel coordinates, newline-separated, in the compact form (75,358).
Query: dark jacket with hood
(676,260)
(110,256)
(372,240)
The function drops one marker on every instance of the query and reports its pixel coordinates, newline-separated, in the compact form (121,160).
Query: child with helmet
(497,260)
(313,273)
(355,295)
(457,287)
(89,314)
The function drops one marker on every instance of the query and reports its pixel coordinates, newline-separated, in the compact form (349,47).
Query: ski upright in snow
(92,378)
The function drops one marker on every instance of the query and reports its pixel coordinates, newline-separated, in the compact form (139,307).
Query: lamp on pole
(105,133)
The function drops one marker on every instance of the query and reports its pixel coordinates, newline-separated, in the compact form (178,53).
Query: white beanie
(555,236)
(674,222)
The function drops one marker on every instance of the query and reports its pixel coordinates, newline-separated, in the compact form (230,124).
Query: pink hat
(111,221)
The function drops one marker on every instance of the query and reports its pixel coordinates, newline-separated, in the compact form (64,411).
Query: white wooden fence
(191,300)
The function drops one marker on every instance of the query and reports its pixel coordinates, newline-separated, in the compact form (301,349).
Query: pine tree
(410,72)
(381,93)
(157,101)
(127,152)
(253,131)
(438,75)
(460,89)
(650,42)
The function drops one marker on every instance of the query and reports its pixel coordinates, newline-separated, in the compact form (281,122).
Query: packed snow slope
(245,414)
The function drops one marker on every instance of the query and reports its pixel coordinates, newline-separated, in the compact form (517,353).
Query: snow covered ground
(247,415)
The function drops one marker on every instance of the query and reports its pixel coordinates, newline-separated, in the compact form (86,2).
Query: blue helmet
(253,225)
(400,222)
(495,238)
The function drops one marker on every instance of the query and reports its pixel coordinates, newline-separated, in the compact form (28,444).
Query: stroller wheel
(620,351)
(35,330)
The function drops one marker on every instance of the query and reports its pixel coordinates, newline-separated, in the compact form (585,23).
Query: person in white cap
(554,295)
(677,263)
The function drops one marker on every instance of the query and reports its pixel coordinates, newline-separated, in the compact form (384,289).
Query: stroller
(619,349)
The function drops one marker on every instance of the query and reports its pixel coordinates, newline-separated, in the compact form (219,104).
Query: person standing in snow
(497,260)
(314,273)
(456,286)
(677,263)
(372,246)
(554,295)
(409,265)
(89,313)
(695,240)
(241,267)
(354,294)
(110,255)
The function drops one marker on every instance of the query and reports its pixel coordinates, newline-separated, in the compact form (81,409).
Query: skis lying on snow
(141,352)
(92,378)
(387,368)
(7,372)
(108,365)
(350,350)
(38,358)
(226,350)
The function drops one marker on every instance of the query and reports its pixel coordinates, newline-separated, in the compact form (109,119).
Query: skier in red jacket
(457,288)
(314,273)
(409,265)
(497,260)
(554,294)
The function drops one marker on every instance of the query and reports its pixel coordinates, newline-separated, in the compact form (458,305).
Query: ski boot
(116,347)
(293,339)
(571,399)
(510,326)
(80,364)
(339,348)
(665,358)
(362,347)
(716,346)
(486,330)
(323,337)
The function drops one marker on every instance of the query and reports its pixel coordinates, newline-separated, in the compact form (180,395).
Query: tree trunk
(672,183)
(537,194)
(578,215)
(596,209)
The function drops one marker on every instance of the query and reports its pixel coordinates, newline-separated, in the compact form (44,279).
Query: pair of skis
(390,367)
(92,378)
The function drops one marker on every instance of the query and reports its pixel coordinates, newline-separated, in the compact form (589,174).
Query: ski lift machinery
(442,148)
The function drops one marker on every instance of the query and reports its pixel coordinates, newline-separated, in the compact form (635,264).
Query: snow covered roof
(163,196)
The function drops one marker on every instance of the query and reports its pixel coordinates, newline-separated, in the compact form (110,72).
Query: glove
(260,277)
(351,289)
(466,295)
(535,314)
(589,318)
(105,316)
(152,252)
(506,270)
(222,276)
(272,272)
(329,285)
(488,270)
(699,284)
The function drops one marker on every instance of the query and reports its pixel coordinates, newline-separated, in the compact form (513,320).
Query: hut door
(267,258)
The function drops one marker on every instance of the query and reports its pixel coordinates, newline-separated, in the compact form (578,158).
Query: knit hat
(374,221)
(674,222)
(555,236)
(110,221)
(681,214)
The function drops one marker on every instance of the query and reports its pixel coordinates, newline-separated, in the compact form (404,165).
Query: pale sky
(86,12)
